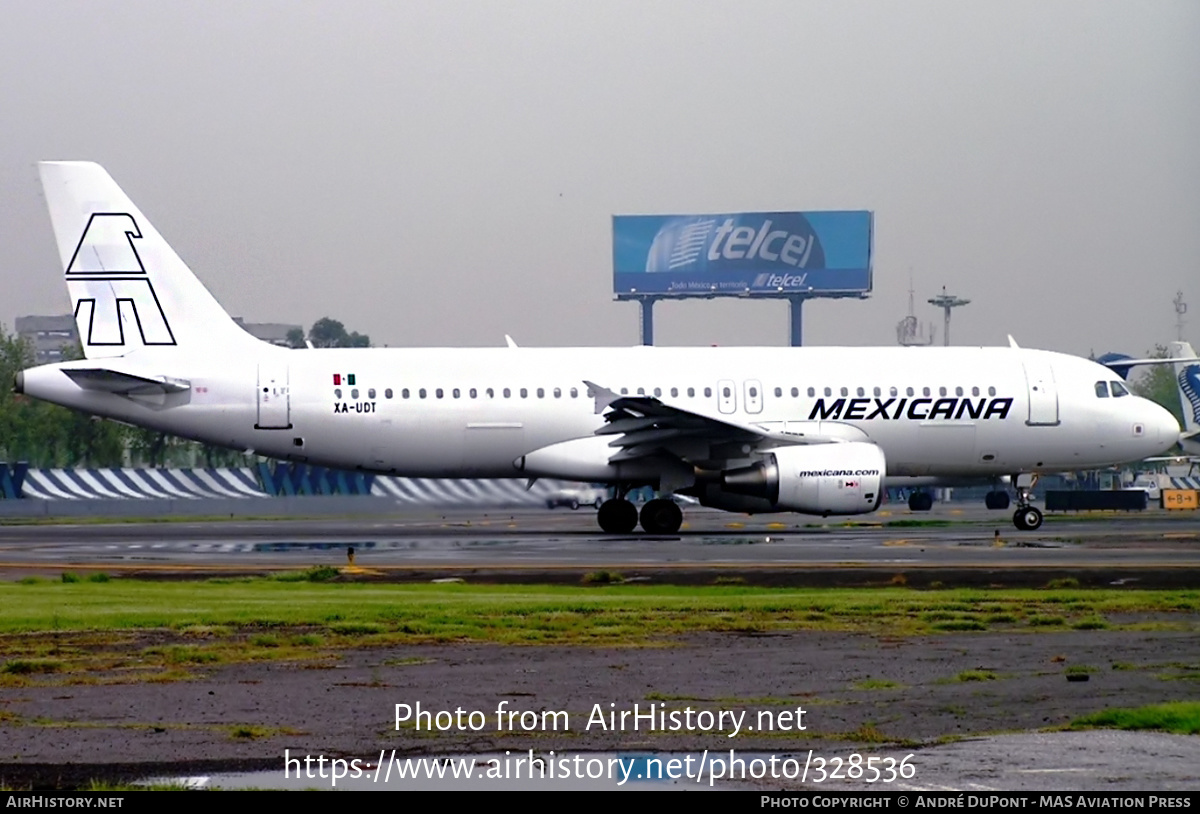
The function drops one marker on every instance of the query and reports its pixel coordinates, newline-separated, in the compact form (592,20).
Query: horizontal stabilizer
(125,384)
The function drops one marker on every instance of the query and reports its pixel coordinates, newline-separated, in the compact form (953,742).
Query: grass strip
(608,614)
(1179,717)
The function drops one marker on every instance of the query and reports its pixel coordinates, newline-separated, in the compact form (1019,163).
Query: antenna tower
(909,331)
(1180,310)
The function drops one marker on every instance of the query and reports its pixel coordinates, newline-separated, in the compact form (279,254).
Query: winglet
(508,340)
(1012,343)
(603,396)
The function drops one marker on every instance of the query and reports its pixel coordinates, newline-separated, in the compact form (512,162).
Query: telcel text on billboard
(764,253)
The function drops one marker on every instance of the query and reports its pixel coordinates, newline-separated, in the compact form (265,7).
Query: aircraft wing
(646,426)
(125,384)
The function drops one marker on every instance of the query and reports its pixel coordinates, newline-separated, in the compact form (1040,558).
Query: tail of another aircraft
(129,290)
(1187,377)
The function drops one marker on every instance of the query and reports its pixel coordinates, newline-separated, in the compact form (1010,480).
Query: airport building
(50,335)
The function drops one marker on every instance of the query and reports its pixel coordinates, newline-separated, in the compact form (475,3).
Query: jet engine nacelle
(819,479)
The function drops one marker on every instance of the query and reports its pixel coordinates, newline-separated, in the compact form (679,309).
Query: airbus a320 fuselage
(812,430)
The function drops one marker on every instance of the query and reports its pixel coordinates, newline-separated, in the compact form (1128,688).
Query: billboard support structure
(647,307)
(796,314)
(757,255)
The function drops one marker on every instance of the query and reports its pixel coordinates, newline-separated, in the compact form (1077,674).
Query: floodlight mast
(946,302)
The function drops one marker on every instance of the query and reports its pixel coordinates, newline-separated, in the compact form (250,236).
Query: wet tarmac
(951,545)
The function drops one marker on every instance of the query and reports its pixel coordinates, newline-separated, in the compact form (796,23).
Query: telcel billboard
(766,254)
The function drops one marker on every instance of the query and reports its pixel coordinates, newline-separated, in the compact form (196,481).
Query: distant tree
(329,333)
(1157,383)
(45,434)
(295,338)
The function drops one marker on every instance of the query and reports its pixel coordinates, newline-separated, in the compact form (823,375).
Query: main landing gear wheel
(617,516)
(920,501)
(661,516)
(996,500)
(1027,519)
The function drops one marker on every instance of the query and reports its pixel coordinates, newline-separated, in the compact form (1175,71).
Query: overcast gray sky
(442,173)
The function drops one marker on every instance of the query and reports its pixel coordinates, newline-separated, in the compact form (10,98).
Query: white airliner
(811,430)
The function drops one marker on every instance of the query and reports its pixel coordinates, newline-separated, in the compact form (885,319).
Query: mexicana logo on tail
(114,300)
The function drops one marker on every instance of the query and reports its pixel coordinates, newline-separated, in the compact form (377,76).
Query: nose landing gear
(1027,517)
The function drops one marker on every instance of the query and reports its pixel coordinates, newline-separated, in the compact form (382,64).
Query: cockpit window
(1102,390)
(1118,390)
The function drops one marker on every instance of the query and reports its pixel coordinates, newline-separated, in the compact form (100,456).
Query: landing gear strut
(1027,517)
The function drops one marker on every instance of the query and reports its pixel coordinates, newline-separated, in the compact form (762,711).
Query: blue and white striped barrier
(109,484)
(244,482)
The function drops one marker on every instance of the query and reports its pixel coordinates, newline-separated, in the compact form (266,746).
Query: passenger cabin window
(404,393)
(574,392)
(371,393)
(778,392)
(507,393)
(387,394)
(708,392)
(354,393)
(337,392)
(1118,390)
(1102,390)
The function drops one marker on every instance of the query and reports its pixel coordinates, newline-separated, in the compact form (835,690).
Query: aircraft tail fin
(129,290)
(1187,378)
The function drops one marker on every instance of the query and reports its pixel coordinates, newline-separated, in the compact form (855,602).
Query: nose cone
(1162,427)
